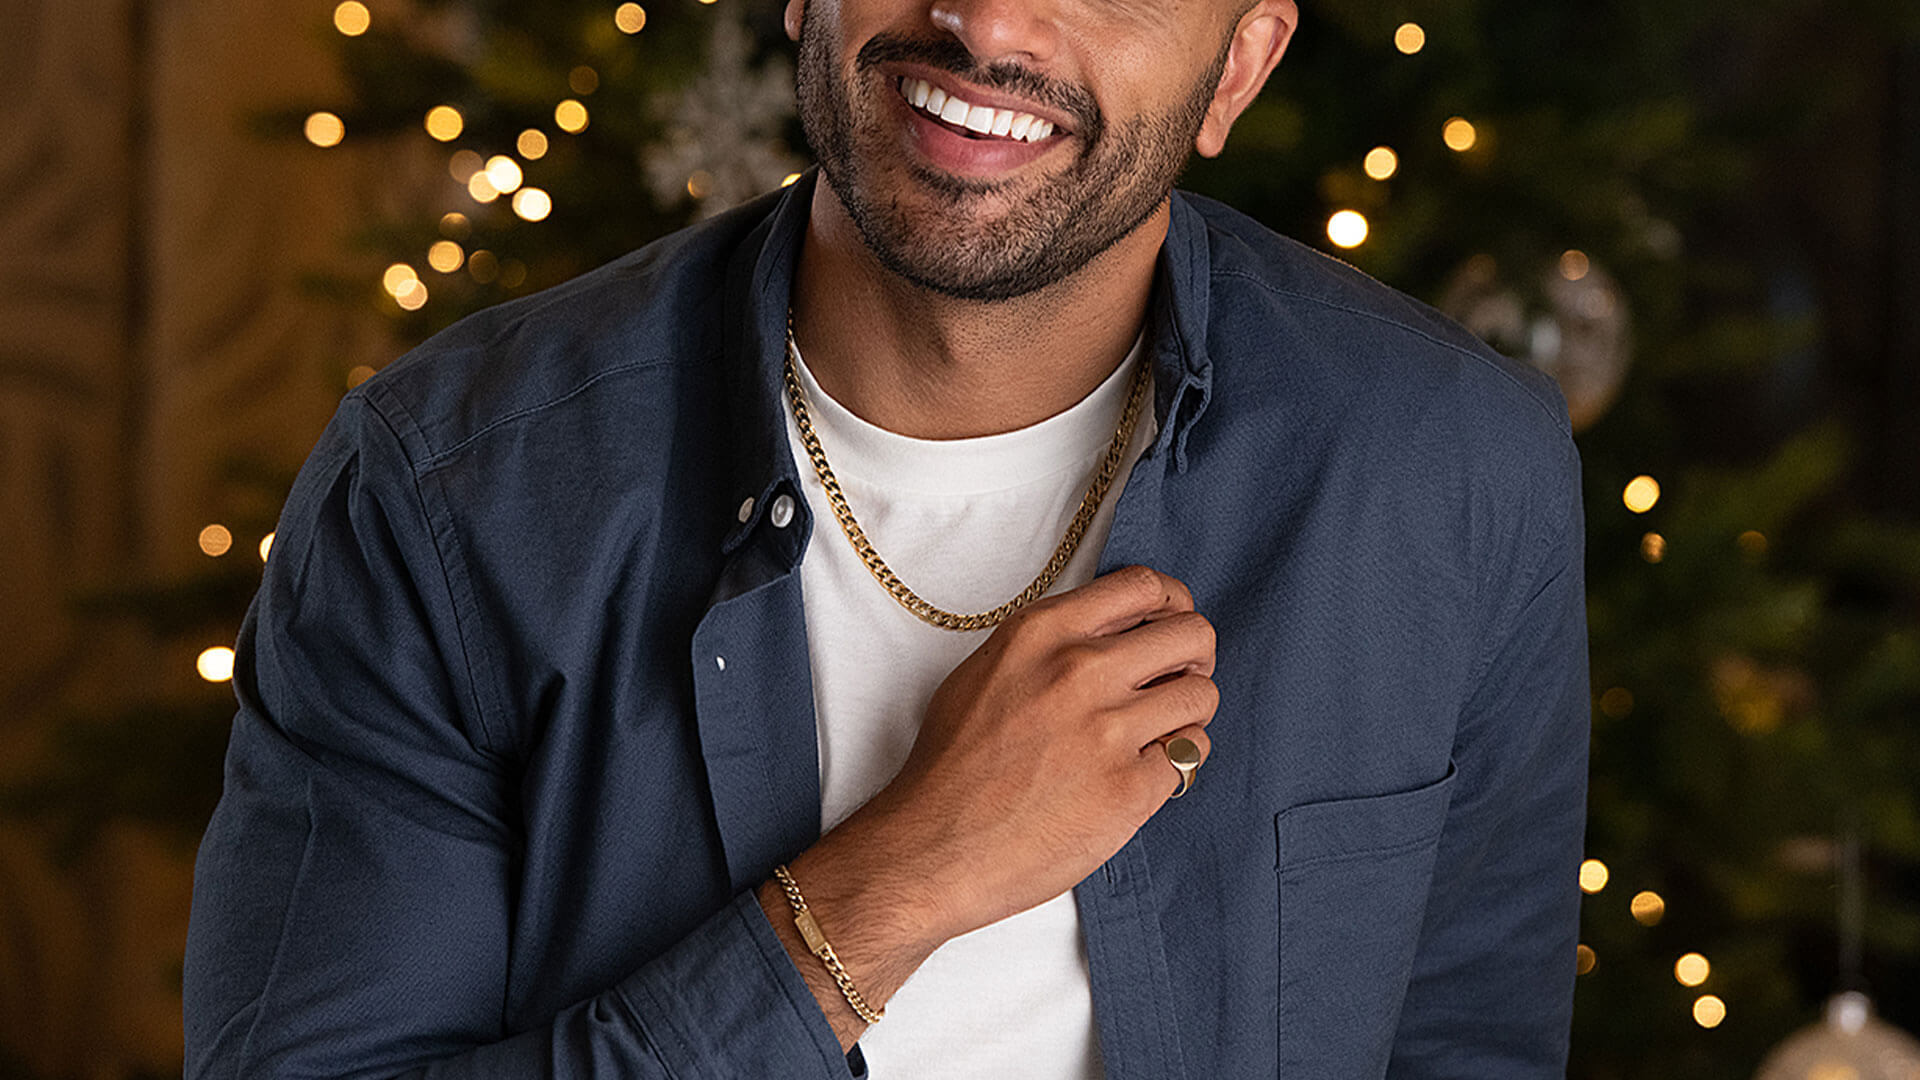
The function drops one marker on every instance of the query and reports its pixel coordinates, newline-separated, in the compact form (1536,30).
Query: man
(893,546)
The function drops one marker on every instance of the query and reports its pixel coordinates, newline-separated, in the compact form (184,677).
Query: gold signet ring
(1185,757)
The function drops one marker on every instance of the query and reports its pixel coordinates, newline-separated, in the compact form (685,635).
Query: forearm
(872,908)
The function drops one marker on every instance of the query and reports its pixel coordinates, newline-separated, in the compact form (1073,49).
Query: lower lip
(962,156)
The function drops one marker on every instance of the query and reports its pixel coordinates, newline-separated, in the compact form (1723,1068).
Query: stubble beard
(952,244)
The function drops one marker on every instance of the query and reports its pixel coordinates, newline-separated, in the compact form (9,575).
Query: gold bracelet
(817,945)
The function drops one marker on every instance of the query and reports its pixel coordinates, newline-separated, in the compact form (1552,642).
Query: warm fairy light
(1753,542)
(1382,163)
(1709,1010)
(397,277)
(583,80)
(266,545)
(464,164)
(532,204)
(630,18)
(1617,702)
(215,664)
(324,129)
(1347,229)
(484,266)
(699,183)
(1653,547)
(513,274)
(1574,265)
(455,226)
(706,1)
(570,116)
(215,540)
(791,179)
(1691,969)
(446,256)
(358,374)
(1647,907)
(1410,38)
(352,18)
(504,174)
(413,296)
(1593,876)
(1584,959)
(445,123)
(1641,493)
(481,188)
(1459,134)
(532,144)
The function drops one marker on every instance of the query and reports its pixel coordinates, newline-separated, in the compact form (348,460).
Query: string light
(324,129)
(455,226)
(413,297)
(464,164)
(790,180)
(397,277)
(481,189)
(583,80)
(1641,494)
(1709,1010)
(1381,163)
(699,183)
(504,174)
(1653,547)
(532,204)
(215,664)
(1410,38)
(352,18)
(630,18)
(215,540)
(446,256)
(266,545)
(1617,702)
(1574,265)
(1647,907)
(483,266)
(1347,229)
(445,123)
(1691,969)
(570,116)
(1753,543)
(532,144)
(1459,134)
(1593,876)
(358,374)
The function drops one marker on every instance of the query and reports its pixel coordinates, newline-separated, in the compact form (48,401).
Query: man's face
(1124,85)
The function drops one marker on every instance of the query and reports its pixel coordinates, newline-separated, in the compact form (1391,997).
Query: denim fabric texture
(524,708)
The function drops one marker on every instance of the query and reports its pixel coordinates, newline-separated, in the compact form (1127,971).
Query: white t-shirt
(967,524)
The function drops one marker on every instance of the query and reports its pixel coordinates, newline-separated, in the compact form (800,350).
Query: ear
(1259,40)
(795,8)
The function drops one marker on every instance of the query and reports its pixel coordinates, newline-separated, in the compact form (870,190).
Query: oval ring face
(1184,753)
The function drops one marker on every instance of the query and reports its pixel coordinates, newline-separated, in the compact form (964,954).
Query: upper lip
(978,95)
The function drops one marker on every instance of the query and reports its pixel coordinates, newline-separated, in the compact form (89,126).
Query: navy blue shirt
(493,808)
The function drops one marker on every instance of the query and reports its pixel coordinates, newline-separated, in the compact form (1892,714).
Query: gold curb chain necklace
(1089,505)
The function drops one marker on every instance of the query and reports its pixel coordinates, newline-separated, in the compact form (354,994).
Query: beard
(954,243)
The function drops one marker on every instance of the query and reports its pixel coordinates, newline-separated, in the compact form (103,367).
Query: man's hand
(1038,758)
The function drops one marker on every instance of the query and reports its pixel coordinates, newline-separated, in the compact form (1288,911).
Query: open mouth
(970,120)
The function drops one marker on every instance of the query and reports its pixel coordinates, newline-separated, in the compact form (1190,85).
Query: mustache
(948,54)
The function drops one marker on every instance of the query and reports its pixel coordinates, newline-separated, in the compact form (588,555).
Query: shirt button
(782,511)
(746,510)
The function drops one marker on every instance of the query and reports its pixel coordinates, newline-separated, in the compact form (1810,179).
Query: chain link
(1089,506)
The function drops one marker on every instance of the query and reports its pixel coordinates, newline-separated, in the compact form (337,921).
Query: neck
(929,366)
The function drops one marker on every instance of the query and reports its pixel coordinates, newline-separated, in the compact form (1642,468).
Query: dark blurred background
(1702,216)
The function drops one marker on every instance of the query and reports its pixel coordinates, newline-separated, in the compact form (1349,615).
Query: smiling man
(778,653)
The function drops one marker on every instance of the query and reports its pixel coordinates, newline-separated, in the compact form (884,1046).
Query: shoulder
(652,309)
(1288,320)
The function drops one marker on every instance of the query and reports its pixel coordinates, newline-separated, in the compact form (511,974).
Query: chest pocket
(1353,880)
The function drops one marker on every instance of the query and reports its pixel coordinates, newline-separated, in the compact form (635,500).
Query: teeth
(1000,123)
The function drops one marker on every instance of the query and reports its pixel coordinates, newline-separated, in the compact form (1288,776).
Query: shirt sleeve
(353,892)
(1491,995)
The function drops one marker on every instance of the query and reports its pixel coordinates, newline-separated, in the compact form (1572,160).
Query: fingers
(1113,602)
(1173,644)
(1158,712)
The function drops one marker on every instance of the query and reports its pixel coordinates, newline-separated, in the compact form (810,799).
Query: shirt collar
(759,283)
